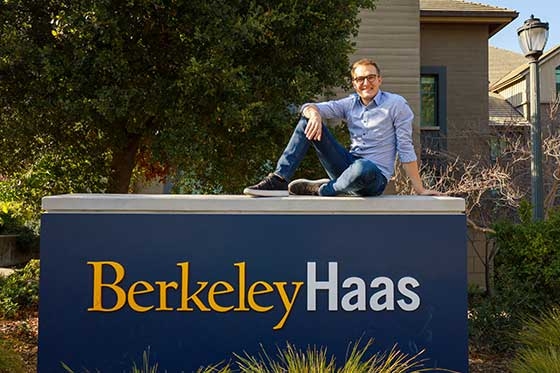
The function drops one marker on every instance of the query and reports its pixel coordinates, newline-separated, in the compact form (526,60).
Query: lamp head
(532,37)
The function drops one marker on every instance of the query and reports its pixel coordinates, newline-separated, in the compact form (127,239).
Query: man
(380,126)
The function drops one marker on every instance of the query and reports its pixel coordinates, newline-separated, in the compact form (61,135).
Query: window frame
(440,72)
(557,79)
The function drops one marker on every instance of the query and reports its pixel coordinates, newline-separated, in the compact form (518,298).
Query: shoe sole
(313,182)
(265,193)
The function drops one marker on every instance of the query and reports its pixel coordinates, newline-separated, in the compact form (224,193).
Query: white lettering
(313,285)
(388,293)
(414,298)
(359,293)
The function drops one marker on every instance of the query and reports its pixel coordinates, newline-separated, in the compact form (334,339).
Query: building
(435,53)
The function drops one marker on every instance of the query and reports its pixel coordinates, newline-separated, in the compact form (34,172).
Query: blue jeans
(349,174)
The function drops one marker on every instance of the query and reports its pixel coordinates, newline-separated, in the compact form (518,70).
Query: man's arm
(411,169)
(314,126)
(316,112)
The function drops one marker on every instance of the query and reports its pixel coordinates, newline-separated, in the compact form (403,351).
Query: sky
(546,10)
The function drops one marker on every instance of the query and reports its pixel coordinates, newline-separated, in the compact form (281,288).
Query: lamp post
(532,39)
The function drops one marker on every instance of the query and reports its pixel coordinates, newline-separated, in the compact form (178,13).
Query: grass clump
(313,360)
(540,345)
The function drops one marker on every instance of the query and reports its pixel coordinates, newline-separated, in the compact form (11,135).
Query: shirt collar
(378,99)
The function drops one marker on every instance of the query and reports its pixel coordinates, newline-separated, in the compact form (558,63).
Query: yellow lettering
(98,285)
(212,292)
(163,286)
(148,288)
(185,298)
(241,286)
(288,302)
(253,291)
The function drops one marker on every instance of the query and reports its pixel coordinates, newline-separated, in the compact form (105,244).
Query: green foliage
(16,219)
(527,265)
(492,323)
(540,340)
(20,290)
(200,86)
(526,280)
(10,362)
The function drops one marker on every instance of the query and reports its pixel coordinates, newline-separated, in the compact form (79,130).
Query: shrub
(527,280)
(540,340)
(10,362)
(527,265)
(14,219)
(492,324)
(20,290)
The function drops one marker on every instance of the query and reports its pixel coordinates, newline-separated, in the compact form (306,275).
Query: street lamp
(532,39)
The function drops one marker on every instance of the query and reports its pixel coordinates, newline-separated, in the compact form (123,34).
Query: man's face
(366,82)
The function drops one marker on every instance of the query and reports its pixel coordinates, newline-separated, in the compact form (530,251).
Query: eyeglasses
(370,78)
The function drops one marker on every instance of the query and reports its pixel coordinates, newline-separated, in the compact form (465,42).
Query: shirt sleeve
(334,109)
(403,131)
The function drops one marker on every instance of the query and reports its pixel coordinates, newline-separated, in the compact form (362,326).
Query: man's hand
(430,192)
(314,126)
(411,169)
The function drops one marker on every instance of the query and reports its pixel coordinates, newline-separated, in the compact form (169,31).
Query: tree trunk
(124,161)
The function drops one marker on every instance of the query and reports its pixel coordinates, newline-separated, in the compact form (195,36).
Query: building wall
(463,50)
(548,78)
(391,36)
(516,94)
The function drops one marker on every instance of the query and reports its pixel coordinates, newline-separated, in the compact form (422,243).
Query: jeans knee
(367,170)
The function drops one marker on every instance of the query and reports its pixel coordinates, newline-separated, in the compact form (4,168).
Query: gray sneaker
(304,187)
(270,186)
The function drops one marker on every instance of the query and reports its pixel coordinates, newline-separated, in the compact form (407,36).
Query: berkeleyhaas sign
(206,296)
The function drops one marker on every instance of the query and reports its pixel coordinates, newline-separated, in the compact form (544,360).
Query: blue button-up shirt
(378,131)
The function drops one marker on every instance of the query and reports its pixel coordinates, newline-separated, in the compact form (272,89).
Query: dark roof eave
(511,15)
(495,20)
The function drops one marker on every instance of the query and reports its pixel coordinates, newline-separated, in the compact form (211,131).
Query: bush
(10,362)
(527,265)
(540,339)
(14,219)
(492,323)
(20,291)
(526,280)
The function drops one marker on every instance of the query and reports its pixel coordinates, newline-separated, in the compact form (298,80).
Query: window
(433,106)
(433,98)
(558,81)
(429,96)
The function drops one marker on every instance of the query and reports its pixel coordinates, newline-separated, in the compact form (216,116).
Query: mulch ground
(22,335)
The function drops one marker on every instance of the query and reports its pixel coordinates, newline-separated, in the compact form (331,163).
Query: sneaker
(270,186)
(304,187)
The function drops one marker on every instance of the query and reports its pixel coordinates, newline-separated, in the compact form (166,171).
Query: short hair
(365,62)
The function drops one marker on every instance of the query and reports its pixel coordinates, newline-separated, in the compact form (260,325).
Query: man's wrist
(310,112)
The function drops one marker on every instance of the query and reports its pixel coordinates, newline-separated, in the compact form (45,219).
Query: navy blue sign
(194,289)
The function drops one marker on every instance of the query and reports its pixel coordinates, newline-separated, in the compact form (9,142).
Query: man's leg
(336,160)
(276,184)
(348,174)
(333,157)
(361,178)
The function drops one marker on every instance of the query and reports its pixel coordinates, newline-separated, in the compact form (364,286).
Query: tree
(204,87)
